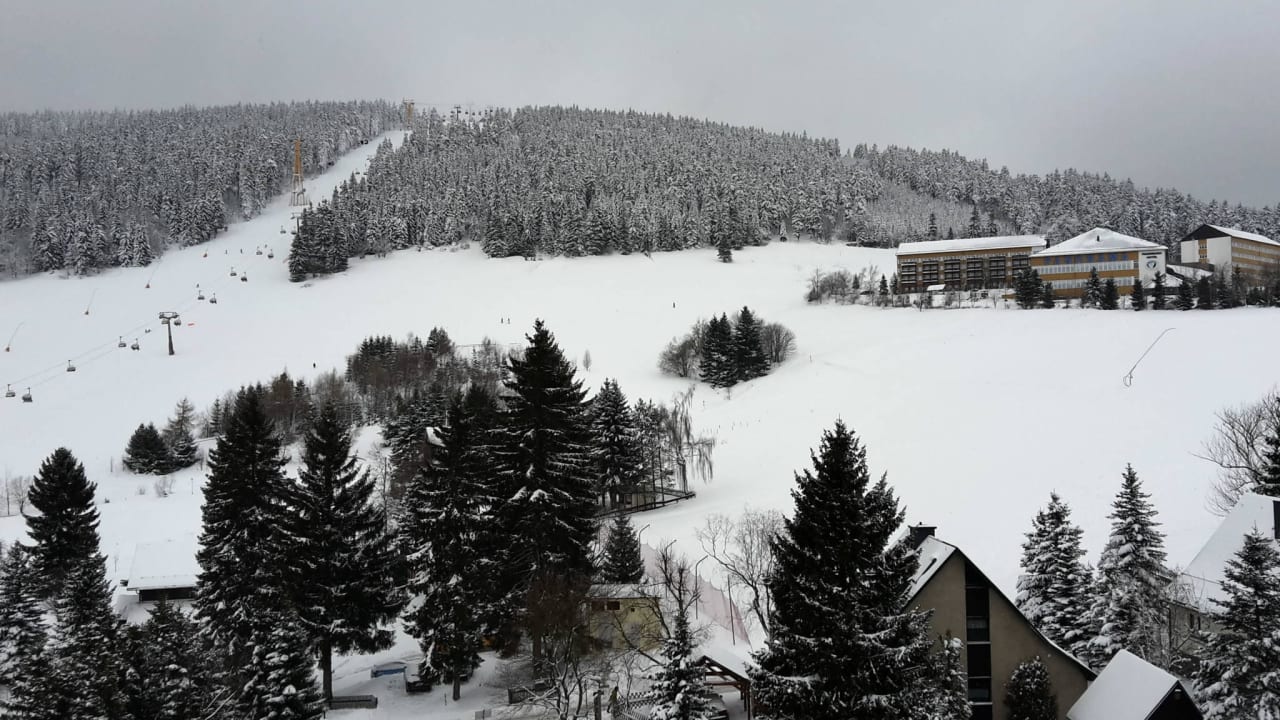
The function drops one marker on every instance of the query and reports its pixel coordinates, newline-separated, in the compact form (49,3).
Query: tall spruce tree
(679,690)
(1110,295)
(22,628)
(1053,590)
(749,361)
(64,532)
(1239,674)
(1138,295)
(621,561)
(446,536)
(716,363)
(1029,693)
(724,248)
(1092,290)
(615,447)
(542,456)
(147,453)
(178,438)
(1268,478)
(278,680)
(33,695)
(1157,292)
(245,559)
(86,647)
(170,668)
(1128,609)
(950,699)
(1186,295)
(844,644)
(344,587)
(1047,298)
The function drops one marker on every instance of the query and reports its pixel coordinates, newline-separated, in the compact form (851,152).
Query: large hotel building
(1121,258)
(965,263)
(1228,249)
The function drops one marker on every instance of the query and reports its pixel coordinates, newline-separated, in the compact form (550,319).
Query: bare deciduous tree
(777,342)
(1237,449)
(691,451)
(743,548)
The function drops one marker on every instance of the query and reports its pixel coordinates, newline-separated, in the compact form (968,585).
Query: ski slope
(976,415)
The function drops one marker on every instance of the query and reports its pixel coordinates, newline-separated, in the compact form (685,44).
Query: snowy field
(975,414)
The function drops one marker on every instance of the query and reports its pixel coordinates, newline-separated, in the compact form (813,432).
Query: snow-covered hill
(975,414)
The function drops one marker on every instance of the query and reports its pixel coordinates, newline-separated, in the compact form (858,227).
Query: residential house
(996,635)
(625,615)
(1131,688)
(964,263)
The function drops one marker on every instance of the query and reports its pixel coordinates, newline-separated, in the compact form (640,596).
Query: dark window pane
(979,690)
(976,602)
(981,712)
(977,629)
(979,661)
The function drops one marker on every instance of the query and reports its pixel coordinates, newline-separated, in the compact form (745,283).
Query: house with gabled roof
(1198,588)
(1131,688)
(1232,250)
(164,570)
(996,635)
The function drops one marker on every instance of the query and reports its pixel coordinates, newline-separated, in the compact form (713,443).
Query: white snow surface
(975,414)
(1203,576)
(931,554)
(965,244)
(165,564)
(1232,232)
(1128,688)
(1099,240)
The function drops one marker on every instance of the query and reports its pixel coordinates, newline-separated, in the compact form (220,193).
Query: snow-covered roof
(932,554)
(969,244)
(1129,688)
(1232,232)
(1203,576)
(936,288)
(621,590)
(1099,240)
(166,564)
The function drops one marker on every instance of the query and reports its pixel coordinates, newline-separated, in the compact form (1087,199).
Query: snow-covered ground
(975,414)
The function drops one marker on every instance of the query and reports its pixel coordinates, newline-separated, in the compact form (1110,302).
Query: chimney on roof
(918,533)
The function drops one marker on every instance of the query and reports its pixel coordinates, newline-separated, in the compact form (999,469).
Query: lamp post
(169,319)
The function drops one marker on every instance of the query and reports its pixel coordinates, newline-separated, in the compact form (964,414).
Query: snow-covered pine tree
(1053,590)
(178,438)
(724,248)
(1206,298)
(840,584)
(951,697)
(279,683)
(1110,295)
(1138,295)
(1157,292)
(86,647)
(749,361)
(716,363)
(1268,479)
(615,450)
(170,674)
(1047,298)
(146,453)
(1239,674)
(244,547)
(344,585)
(1129,604)
(621,561)
(446,536)
(679,690)
(22,628)
(974,229)
(34,695)
(1092,290)
(1186,298)
(64,532)
(1029,693)
(542,456)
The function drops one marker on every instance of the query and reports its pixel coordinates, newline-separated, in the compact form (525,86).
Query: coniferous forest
(568,181)
(81,191)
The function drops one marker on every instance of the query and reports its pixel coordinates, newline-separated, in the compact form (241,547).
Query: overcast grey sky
(1169,93)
